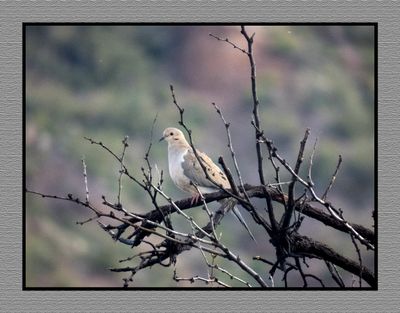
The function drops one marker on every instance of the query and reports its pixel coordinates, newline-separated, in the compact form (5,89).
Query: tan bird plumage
(184,168)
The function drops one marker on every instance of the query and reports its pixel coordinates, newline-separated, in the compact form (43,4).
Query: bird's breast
(175,159)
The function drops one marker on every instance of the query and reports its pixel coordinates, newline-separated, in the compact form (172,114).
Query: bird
(186,171)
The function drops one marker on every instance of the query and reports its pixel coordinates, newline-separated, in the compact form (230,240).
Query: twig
(258,133)
(277,178)
(316,278)
(85,180)
(229,42)
(210,215)
(87,220)
(229,176)
(335,274)
(310,164)
(359,258)
(147,155)
(250,206)
(332,179)
(290,209)
(259,258)
(230,146)
(255,101)
(121,171)
(298,264)
(199,278)
(231,276)
(126,172)
(285,274)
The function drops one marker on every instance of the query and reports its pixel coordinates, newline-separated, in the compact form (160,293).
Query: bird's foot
(194,199)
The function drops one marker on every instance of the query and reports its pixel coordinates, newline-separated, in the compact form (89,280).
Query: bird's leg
(195,193)
(195,198)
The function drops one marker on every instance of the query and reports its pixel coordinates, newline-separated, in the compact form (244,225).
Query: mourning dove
(185,168)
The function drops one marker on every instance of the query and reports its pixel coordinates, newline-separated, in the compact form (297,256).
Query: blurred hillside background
(106,82)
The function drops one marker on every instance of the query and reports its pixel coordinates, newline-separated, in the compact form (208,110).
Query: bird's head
(172,135)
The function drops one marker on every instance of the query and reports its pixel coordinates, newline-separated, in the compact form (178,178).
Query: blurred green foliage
(106,82)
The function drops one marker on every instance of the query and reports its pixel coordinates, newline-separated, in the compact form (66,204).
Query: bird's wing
(193,170)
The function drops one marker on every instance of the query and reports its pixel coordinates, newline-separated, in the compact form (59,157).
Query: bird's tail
(231,202)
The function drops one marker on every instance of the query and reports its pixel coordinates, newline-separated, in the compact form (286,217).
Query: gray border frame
(13,13)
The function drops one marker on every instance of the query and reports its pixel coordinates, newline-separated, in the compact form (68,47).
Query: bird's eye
(171,134)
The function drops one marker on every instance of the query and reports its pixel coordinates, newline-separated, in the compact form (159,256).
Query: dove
(185,170)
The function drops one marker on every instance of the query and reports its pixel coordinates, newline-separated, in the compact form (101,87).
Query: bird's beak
(161,139)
